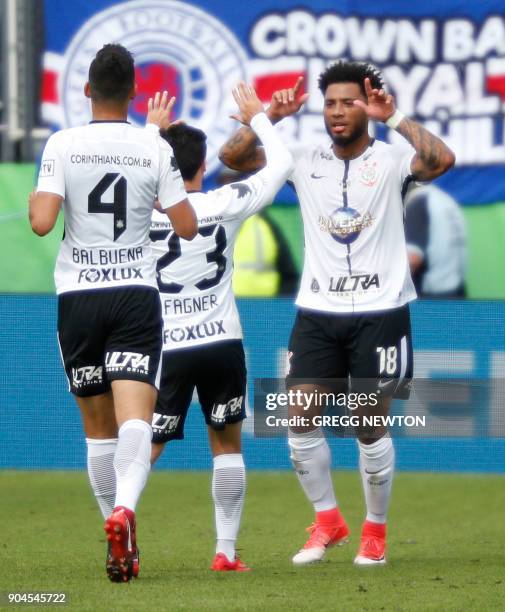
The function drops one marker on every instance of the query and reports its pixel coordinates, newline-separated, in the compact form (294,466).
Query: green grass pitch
(445,545)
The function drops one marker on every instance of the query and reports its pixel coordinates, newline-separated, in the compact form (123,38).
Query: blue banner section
(446,70)
(40,425)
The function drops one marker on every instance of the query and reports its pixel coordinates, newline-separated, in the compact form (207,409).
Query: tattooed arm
(433,157)
(243,151)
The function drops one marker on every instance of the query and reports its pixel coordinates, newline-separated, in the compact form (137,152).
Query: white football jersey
(195,277)
(353,217)
(109,174)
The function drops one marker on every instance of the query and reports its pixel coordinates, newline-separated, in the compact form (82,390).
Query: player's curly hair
(112,74)
(190,148)
(350,72)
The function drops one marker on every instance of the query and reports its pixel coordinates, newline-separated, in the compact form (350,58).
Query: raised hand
(286,102)
(159,110)
(380,105)
(248,103)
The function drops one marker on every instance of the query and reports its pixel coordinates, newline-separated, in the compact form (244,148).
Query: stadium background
(453,65)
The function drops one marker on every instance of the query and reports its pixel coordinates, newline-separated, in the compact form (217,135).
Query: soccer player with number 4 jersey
(108,175)
(202,339)
(353,315)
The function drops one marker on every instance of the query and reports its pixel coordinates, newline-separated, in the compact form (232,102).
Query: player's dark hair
(350,72)
(190,148)
(111,74)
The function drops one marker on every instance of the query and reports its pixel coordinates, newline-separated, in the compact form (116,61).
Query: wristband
(394,121)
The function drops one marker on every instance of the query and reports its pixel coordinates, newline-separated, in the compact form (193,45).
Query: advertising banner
(446,68)
(454,420)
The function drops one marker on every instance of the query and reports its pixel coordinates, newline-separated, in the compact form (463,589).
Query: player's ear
(87,90)
(133,91)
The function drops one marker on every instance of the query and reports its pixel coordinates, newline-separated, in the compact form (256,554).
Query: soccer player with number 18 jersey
(108,175)
(353,316)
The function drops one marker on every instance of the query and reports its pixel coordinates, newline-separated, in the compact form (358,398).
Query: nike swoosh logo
(316,177)
(384,383)
(371,473)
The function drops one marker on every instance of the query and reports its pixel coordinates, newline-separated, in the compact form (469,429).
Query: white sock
(102,475)
(376,465)
(311,458)
(228,490)
(132,461)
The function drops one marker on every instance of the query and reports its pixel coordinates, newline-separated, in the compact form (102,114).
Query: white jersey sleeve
(403,157)
(245,198)
(170,184)
(52,171)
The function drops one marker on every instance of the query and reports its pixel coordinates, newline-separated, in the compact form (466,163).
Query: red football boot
(222,564)
(122,560)
(329,529)
(372,550)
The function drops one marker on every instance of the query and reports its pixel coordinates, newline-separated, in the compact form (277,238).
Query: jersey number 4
(174,252)
(117,207)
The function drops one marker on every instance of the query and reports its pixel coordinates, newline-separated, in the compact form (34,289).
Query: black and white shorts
(373,349)
(217,371)
(110,334)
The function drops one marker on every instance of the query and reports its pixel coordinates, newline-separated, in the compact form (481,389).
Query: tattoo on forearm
(241,150)
(430,149)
